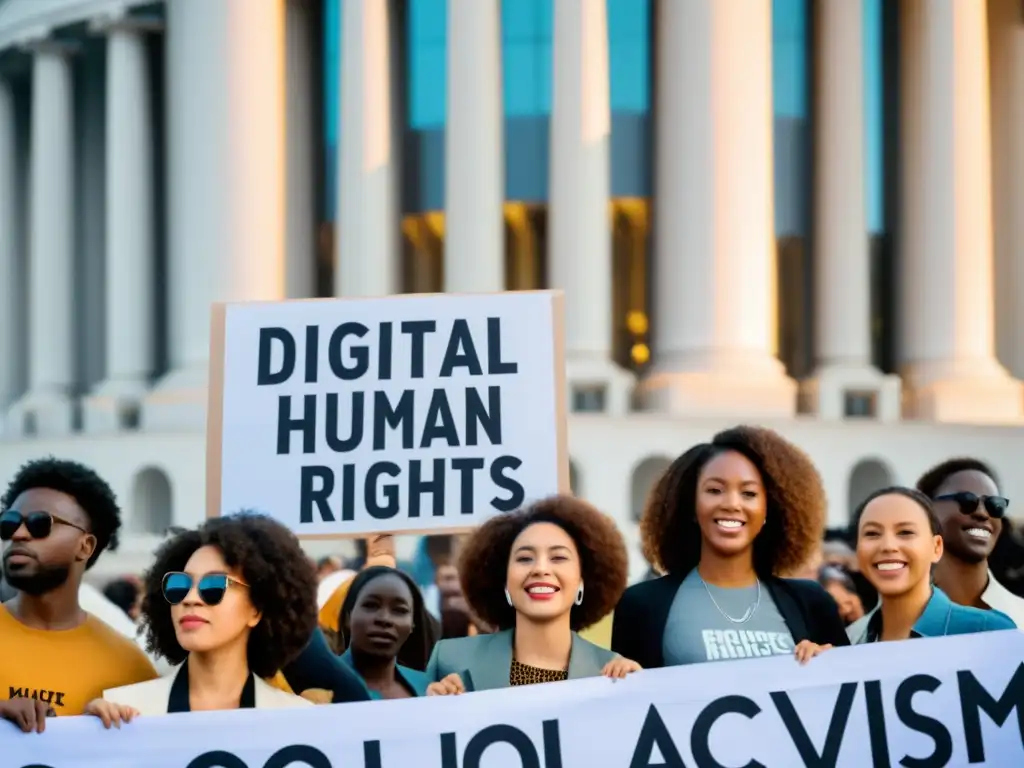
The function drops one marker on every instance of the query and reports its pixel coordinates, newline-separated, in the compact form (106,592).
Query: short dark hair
(415,653)
(89,490)
(122,592)
(898,490)
(604,562)
(795,518)
(282,586)
(930,482)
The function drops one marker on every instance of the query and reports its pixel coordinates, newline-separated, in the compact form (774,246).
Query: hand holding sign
(27,714)
(450,685)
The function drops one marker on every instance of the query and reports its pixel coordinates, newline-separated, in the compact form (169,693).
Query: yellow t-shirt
(329,613)
(600,633)
(280,682)
(67,668)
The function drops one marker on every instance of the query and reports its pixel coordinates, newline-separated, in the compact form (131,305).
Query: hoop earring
(579,596)
(508,597)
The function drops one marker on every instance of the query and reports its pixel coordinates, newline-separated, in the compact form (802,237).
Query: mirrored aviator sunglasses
(968,503)
(211,588)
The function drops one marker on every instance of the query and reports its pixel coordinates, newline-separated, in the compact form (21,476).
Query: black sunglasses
(38,524)
(968,503)
(211,588)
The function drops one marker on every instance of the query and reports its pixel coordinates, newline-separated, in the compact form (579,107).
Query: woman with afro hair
(232,603)
(722,523)
(538,576)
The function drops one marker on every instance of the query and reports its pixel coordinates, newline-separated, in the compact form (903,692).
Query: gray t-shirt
(696,631)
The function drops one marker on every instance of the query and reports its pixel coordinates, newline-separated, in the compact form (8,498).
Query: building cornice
(25,21)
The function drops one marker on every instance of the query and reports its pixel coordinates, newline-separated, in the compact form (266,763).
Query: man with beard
(56,518)
(971,511)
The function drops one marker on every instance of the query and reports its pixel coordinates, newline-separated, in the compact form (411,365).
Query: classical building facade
(800,213)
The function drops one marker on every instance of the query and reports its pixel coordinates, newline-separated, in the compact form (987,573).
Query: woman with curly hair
(232,603)
(387,633)
(722,523)
(538,576)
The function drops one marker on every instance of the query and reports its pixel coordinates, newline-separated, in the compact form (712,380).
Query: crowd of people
(233,615)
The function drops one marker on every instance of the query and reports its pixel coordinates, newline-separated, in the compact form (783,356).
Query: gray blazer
(484,662)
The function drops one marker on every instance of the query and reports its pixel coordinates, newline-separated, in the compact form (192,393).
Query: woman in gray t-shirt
(725,519)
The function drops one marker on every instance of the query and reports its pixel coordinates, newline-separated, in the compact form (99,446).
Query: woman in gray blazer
(538,575)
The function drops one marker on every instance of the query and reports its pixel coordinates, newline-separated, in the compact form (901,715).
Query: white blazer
(151,698)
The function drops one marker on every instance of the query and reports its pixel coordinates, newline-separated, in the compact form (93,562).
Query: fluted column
(1006,37)
(367,257)
(46,408)
(843,266)
(474,249)
(130,226)
(300,251)
(226,181)
(10,277)
(948,344)
(715,271)
(580,253)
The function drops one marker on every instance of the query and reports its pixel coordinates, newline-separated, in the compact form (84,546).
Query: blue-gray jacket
(941,617)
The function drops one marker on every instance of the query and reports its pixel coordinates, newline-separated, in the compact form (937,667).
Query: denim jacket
(941,617)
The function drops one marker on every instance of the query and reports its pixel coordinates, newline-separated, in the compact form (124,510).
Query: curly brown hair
(604,563)
(795,519)
(282,586)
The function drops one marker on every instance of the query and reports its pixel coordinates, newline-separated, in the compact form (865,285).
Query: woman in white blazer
(231,603)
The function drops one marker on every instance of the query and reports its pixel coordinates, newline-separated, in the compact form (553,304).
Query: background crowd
(233,614)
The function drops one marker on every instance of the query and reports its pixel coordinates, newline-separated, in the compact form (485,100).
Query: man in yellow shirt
(56,518)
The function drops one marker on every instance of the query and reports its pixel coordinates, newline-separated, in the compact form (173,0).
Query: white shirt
(999,598)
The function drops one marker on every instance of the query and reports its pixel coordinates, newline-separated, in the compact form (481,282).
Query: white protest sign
(401,414)
(954,702)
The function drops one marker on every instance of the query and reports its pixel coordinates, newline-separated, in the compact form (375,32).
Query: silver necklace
(746,616)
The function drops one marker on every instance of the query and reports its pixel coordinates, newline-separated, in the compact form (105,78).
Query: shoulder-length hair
(415,652)
(795,502)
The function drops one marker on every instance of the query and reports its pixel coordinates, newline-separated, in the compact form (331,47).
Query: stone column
(580,253)
(474,249)
(10,275)
(1006,38)
(226,182)
(842,256)
(47,407)
(715,270)
(367,255)
(301,154)
(130,226)
(948,343)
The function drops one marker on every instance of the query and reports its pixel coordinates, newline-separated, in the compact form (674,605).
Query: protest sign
(402,414)
(954,701)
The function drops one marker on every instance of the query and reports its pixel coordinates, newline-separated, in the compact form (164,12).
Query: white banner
(414,414)
(923,703)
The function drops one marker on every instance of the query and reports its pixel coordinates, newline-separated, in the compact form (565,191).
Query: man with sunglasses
(971,511)
(56,518)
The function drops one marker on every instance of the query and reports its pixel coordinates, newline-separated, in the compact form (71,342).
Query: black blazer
(318,667)
(639,624)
